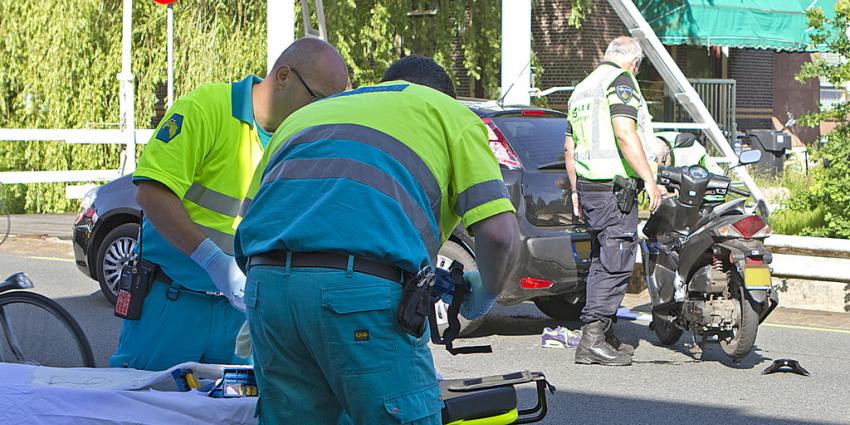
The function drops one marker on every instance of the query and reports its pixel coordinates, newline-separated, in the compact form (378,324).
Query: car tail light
(749,227)
(754,260)
(500,147)
(533,113)
(534,283)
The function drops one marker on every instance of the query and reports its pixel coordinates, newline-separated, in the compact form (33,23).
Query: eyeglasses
(312,94)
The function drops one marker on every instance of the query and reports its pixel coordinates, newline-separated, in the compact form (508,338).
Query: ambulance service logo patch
(170,129)
(624,93)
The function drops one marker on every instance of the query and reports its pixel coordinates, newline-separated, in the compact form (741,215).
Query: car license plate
(581,249)
(756,275)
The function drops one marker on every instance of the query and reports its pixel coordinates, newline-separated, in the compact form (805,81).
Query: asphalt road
(664,386)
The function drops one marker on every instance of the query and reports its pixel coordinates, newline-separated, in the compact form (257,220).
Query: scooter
(490,400)
(705,264)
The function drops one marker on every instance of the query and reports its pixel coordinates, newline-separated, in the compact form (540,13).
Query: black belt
(330,260)
(585,185)
(173,291)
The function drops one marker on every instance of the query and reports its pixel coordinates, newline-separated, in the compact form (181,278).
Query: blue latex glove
(479,300)
(223,271)
(443,287)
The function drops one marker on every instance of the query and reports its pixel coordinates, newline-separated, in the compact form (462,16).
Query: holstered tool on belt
(626,189)
(415,302)
(134,284)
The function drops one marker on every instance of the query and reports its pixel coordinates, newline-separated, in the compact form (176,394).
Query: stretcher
(490,400)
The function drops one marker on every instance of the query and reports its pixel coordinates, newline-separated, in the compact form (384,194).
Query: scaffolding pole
(682,90)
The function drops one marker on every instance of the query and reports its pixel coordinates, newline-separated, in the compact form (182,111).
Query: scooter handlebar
(739,191)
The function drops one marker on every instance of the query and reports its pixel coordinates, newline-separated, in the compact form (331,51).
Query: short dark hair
(421,70)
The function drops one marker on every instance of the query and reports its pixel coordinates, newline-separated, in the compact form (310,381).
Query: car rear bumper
(563,258)
(81,238)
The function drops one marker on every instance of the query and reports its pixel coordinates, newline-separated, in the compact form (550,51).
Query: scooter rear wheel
(738,343)
(664,329)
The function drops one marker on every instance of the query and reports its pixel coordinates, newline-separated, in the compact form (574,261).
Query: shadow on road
(585,408)
(525,320)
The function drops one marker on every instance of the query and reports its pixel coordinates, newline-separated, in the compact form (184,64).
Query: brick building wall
(568,54)
(764,78)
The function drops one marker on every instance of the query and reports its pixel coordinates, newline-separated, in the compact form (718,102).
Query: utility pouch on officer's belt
(133,286)
(416,302)
(626,190)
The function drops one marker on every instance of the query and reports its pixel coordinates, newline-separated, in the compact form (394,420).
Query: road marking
(807,328)
(53,259)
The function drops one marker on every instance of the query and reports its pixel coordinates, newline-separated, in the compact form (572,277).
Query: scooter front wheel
(664,329)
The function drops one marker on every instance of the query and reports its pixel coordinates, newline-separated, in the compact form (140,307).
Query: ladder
(681,89)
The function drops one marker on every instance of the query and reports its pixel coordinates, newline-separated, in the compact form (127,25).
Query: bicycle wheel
(36,330)
(5,223)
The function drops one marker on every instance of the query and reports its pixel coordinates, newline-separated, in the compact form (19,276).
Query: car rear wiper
(553,165)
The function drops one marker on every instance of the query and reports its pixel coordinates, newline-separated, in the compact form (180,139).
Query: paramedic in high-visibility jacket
(191,180)
(608,136)
(354,195)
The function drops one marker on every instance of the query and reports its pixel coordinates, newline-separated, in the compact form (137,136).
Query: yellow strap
(503,419)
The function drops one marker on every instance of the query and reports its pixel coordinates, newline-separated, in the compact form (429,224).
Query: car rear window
(537,141)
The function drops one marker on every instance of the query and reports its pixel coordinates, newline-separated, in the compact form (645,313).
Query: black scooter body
(692,268)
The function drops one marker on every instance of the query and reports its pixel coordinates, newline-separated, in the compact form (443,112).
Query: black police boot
(592,347)
(612,339)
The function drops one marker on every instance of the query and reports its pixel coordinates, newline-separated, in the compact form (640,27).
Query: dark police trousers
(613,247)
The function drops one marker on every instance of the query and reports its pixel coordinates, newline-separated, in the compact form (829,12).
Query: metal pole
(126,96)
(516,52)
(280,28)
(170,34)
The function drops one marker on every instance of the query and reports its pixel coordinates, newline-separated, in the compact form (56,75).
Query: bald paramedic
(191,180)
(354,196)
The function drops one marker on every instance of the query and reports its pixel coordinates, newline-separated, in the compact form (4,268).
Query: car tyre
(559,308)
(450,252)
(115,251)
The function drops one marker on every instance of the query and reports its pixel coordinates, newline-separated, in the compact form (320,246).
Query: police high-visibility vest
(597,153)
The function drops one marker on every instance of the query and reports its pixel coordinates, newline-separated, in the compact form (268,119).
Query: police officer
(354,195)
(191,180)
(609,127)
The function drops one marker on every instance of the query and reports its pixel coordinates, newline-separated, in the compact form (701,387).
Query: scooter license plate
(756,275)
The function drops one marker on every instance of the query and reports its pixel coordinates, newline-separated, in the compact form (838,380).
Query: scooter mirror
(749,157)
(685,140)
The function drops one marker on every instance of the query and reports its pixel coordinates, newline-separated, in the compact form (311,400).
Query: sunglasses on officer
(309,90)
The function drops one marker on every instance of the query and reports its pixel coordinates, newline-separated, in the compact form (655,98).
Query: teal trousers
(326,342)
(187,328)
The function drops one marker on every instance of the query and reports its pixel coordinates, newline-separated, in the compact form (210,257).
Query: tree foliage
(830,191)
(60,59)
(371,35)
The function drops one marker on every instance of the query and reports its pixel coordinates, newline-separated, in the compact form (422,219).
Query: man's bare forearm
(632,148)
(496,249)
(570,161)
(165,210)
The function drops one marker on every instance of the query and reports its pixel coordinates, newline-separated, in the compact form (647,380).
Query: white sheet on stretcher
(42,395)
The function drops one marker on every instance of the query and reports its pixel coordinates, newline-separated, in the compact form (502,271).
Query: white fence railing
(75,136)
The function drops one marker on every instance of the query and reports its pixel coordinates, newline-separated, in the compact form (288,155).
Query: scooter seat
(477,404)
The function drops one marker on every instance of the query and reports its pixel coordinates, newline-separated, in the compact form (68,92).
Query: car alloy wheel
(116,251)
(119,254)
